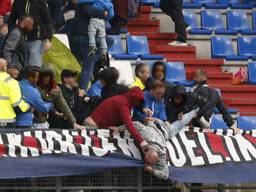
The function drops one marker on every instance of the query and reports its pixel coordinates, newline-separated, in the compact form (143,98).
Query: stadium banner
(193,155)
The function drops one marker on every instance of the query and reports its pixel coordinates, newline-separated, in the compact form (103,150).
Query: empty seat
(246,122)
(238,20)
(229,2)
(191,20)
(217,122)
(117,46)
(138,45)
(175,73)
(254,19)
(222,47)
(247,46)
(252,73)
(213,20)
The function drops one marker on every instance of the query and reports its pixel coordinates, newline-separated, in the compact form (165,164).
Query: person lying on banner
(206,112)
(116,111)
(156,135)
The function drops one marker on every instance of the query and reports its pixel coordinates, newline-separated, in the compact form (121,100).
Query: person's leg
(102,37)
(92,32)
(34,53)
(178,125)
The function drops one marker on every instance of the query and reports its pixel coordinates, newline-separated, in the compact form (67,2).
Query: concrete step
(215,77)
(175,51)
(140,24)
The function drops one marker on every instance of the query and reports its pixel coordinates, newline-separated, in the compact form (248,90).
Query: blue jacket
(105,5)
(95,89)
(158,108)
(33,97)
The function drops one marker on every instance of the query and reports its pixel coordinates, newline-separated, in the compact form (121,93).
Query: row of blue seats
(222,47)
(243,122)
(212,4)
(137,47)
(212,21)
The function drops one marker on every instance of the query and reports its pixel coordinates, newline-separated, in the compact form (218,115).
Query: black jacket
(38,9)
(113,90)
(213,100)
(13,48)
(189,103)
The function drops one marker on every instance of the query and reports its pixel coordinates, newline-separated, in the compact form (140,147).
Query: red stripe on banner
(217,145)
(250,138)
(30,142)
(79,139)
(2,150)
(95,141)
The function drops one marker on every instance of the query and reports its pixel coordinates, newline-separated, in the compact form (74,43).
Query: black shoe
(92,51)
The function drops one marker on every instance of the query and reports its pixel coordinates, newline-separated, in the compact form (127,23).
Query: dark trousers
(173,8)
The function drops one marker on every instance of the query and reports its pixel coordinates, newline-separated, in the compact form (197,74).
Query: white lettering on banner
(43,142)
(189,145)
(180,159)
(231,148)
(104,135)
(246,147)
(213,159)
(14,141)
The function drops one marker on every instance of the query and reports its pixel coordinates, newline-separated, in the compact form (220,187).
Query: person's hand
(236,129)
(60,115)
(148,169)
(76,126)
(105,14)
(1,20)
(4,30)
(32,109)
(148,120)
(81,93)
(144,146)
(167,124)
(148,112)
(180,116)
(114,129)
(47,45)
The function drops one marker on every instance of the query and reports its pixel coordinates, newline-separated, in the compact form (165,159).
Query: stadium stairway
(241,97)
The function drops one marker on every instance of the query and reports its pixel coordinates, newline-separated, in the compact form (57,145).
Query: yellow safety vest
(137,83)
(10,97)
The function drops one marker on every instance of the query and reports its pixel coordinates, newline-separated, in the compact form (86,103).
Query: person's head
(179,95)
(31,73)
(3,65)
(46,79)
(200,76)
(159,71)
(108,76)
(69,78)
(14,72)
(142,71)
(26,23)
(157,89)
(151,157)
(135,96)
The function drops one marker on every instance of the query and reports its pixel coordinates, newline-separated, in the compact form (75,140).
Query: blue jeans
(34,53)
(178,125)
(89,62)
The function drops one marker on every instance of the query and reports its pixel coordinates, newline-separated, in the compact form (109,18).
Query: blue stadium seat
(221,47)
(217,122)
(175,73)
(238,20)
(203,2)
(212,20)
(252,73)
(191,20)
(247,47)
(246,122)
(254,19)
(138,45)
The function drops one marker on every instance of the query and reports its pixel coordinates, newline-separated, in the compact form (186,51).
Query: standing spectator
(55,10)
(116,111)
(142,74)
(154,102)
(5,9)
(173,8)
(83,14)
(13,48)
(11,102)
(39,38)
(32,96)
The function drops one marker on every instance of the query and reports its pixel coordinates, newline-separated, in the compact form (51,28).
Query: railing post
(58,184)
(140,180)
(220,188)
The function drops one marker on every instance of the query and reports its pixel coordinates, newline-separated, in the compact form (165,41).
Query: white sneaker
(177,43)
(188,29)
(204,123)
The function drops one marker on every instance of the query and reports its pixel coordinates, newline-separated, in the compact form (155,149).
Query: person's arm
(138,115)
(88,9)
(162,170)
(13,16)
(39,104)
(47,20)
(224,112)
(10,45)
(126,118)
(162,113)
(18,104)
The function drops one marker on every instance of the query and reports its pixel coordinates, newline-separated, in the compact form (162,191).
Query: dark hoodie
(116,111)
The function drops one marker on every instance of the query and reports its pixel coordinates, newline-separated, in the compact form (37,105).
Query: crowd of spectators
(152,109)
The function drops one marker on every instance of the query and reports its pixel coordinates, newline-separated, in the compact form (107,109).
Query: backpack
(240,77)
(133,8)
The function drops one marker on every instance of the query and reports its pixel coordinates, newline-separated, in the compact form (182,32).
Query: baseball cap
(67,73)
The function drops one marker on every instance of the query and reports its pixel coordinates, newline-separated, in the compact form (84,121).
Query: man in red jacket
(116,111)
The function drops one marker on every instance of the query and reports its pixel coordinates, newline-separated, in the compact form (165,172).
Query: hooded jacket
(116,111)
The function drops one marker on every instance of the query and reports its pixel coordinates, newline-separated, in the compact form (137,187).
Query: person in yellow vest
(11,101)
(142,74)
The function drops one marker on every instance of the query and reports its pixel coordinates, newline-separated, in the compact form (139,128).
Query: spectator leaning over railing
(32,96)
(13,50)
(39,38)
(11,102)
(142,74)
